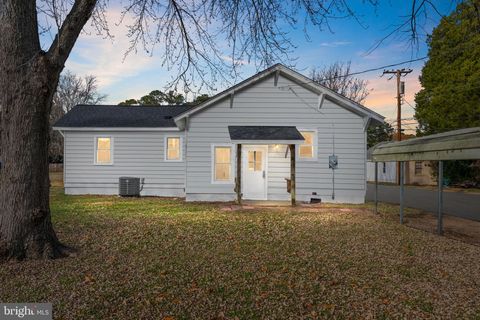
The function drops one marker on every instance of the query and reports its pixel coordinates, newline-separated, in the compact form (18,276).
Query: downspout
(63,164)
(366,124)
(187,123)
(333,169)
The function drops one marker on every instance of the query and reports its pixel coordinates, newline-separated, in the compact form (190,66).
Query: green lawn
(156,258)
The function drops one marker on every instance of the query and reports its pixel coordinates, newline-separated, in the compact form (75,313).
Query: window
(173,150)
(255,160)
(384,169)
(222,164)
(307,148)
(418,167)
(103,150)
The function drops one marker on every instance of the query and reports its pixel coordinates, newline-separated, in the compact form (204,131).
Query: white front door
(254,167)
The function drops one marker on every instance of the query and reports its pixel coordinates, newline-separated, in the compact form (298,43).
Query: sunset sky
(349,40)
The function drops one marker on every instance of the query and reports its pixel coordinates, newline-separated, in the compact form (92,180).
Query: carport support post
(402,189)
(440,198)
(376,187)
(238,180)
(292,173)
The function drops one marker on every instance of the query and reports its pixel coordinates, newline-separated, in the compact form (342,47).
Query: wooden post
(292,174)
(402,189)
(238,178)
(376,187)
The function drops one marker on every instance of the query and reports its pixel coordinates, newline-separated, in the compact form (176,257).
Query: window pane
(103,150)
(306,148)
(251,156)
(255,160)
(308,136)
(222,155)
(173,154)
(173,148)
(418,167)
(103,156)
(103,143)
(258,161)
(222,171)
(306,151)
(173,143)
(222,163)
(251,160)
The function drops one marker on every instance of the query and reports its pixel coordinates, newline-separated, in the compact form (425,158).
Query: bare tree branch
(206,41)
(71,27)
(408,29)
(338,78)
(71,91)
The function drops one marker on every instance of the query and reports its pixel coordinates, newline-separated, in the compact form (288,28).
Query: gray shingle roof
(112,116)
(264,133)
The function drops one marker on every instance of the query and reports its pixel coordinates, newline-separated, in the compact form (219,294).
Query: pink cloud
(382,98)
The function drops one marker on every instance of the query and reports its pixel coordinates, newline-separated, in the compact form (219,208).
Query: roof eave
(332,95)
(266,142)
(58,128)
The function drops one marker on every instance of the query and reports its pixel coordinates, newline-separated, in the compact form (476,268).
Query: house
(192,152)
(387,171)
(416,172)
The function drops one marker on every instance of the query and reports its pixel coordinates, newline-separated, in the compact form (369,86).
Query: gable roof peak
(294,76)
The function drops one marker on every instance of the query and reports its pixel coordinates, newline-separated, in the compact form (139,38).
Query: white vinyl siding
(136,154)
(278,172)
(265,104)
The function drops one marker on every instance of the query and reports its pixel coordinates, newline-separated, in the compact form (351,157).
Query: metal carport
(463,144)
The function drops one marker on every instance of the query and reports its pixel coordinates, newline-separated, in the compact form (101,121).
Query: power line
(408,103)
(358,72)
(403,119)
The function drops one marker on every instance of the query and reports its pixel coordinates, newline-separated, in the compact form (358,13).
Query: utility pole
(400,92)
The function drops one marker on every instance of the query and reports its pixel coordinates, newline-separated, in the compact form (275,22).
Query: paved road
(459,204)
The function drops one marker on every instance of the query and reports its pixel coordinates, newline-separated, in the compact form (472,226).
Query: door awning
(265,135)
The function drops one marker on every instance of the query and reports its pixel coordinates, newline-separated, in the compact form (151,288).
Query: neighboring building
(416,172)
(419,173)
(191,151)
(387,171)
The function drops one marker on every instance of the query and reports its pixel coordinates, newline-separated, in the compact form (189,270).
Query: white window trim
(232,162)
(95,138)
(165,148)
(314,142)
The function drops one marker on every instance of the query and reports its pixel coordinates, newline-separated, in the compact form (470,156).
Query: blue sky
(349,40)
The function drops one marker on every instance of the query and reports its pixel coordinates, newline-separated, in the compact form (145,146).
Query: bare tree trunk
(27,83)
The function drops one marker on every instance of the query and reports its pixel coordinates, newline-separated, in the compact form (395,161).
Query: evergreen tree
(450,97)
